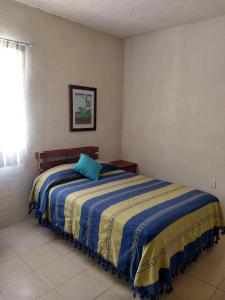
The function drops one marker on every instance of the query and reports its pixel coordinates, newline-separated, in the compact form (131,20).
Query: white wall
(63,53)
(173,108)
(174,104)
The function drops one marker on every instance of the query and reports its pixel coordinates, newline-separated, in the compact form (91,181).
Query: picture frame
(83,102)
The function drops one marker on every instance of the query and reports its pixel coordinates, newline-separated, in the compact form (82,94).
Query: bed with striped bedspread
(145,228)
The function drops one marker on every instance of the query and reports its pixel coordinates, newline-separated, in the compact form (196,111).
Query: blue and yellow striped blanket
(143,227)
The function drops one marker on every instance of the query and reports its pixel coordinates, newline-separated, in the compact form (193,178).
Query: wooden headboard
(53,158)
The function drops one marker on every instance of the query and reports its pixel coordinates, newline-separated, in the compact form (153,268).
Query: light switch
(212,183)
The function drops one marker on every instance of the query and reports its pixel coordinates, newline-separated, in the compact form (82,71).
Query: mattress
(142,228)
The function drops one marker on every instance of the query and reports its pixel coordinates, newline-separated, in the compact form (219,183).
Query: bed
(142,228)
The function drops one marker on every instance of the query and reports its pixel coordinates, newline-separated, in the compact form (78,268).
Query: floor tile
(28,287)
(25,237)
(25,226)
(62,246)
(1,297)
(10,233)
(80,259)
(170,296)
(52,295)
(108,295)
(31,224)
(221,243)
(12,269)
(45,235)
(190,287)
(123,290)
(6,251)
(26,244)
(83,286)
(218,295)
(222,285)
(59,271)
(210,266)
(55,261)
(19,229)
(32,240)
(101,275)
(40,256)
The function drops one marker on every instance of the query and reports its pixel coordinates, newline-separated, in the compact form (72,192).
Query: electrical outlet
(212,183)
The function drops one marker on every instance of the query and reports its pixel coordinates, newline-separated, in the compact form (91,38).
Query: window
(12,106)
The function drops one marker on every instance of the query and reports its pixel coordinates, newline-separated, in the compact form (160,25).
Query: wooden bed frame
(53,158)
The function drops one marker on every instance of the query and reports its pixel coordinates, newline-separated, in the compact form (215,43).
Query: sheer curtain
(12,106)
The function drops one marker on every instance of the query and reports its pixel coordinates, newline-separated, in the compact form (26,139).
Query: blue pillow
(88,167)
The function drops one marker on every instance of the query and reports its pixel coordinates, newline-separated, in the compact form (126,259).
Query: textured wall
(63,53)
(173,108)
(174,104)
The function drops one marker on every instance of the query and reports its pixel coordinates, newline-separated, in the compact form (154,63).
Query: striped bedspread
(145,228)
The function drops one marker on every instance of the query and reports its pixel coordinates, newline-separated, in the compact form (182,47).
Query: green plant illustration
(85,113)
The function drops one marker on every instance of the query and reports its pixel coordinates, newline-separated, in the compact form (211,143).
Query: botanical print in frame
(82,108)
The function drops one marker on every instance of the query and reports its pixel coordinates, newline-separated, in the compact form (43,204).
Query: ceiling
(126,18)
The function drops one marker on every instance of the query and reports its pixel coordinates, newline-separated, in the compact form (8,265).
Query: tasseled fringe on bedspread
(178,262)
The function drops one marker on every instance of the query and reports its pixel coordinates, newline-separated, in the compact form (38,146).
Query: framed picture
(82,108)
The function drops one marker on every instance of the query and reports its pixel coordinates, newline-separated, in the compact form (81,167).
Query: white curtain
(12,105)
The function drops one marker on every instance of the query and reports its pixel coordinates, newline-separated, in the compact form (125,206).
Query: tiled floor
(36,264)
